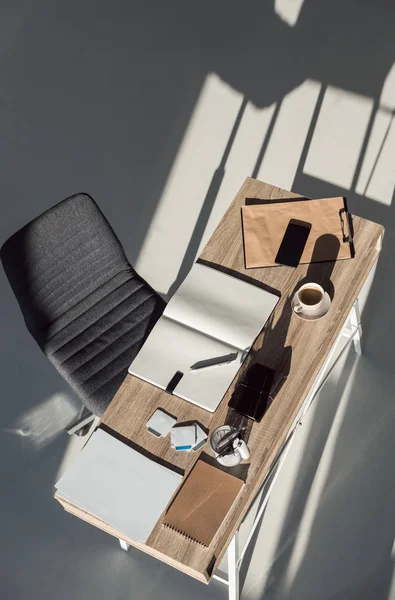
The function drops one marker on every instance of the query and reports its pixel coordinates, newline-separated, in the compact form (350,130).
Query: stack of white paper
(183,437)
(188,437)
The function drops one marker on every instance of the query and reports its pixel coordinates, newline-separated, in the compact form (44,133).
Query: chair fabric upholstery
(82,301)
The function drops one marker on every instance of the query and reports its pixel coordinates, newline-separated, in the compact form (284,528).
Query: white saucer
(306,316)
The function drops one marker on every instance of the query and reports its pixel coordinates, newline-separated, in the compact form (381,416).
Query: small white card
(160,423)
(201,438)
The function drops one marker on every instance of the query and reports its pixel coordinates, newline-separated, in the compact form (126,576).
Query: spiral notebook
(203,503)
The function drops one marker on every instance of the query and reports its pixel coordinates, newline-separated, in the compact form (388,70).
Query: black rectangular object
(293,243)
(174,381)
(252,393)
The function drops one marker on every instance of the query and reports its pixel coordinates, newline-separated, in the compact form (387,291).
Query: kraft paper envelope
(264,226)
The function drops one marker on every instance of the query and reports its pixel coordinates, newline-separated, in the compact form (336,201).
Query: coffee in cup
(309,298)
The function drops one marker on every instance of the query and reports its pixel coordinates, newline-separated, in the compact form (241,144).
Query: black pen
(218,364)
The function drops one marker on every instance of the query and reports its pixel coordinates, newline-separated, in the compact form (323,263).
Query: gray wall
(95,97)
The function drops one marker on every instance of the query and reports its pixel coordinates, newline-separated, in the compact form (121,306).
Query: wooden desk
(286,342)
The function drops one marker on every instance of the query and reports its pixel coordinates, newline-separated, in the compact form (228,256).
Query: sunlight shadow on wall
(391,593)
(338,137)
(40,425)
(288,10)
(281,160)
(242,157)
(228,139)
(178,209)
(320,480)
(387,97)
(377,177)
(204,149)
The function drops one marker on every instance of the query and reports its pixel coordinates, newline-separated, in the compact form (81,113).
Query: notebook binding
(185,535)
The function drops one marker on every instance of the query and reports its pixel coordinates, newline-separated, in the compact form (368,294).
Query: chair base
(82,425)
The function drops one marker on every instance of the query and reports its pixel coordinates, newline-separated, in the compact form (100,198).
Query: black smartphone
(293,243)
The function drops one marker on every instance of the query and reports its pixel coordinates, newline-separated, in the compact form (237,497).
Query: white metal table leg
(356,322)
(124,545)
(233,568)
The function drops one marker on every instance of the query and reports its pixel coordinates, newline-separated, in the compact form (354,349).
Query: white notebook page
(222,306)
(172,347)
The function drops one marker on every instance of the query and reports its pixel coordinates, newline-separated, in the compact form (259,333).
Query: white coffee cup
(309,298)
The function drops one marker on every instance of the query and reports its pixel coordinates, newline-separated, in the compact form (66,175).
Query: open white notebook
(211,316)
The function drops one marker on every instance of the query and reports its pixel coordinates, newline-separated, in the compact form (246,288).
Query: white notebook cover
(121,486)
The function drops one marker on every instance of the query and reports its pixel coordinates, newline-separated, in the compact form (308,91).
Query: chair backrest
(81,300)
(59,258)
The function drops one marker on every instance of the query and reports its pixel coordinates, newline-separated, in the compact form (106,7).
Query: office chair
(82,302)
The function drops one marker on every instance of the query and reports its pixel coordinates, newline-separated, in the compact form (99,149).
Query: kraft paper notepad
(264,226)
(203,503)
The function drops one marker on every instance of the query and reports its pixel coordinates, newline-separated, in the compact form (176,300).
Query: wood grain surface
(287,343)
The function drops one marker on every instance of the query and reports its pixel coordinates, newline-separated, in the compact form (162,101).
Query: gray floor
(159,110)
